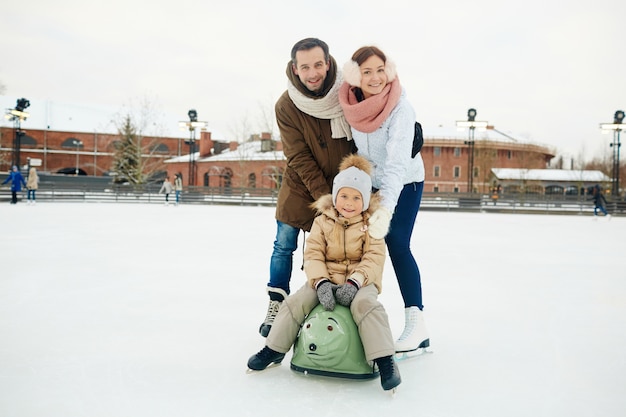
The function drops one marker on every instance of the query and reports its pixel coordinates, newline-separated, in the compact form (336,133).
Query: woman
(32,185)
(383,124)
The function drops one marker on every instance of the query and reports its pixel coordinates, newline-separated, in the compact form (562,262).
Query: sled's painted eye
(329,328)
(308,325)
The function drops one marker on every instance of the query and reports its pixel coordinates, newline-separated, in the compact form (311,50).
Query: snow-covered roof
(84,117)
(247,151)
(447,132)
(561,175)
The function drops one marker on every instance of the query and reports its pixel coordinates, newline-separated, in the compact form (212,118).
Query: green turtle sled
(329,344)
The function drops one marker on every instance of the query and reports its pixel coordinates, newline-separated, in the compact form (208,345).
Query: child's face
(349,202)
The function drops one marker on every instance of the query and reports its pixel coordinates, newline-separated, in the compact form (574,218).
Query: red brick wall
(95,156)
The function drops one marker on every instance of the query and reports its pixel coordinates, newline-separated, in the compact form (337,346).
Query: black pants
(13,197)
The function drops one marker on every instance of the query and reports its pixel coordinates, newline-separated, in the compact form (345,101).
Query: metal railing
(507,203)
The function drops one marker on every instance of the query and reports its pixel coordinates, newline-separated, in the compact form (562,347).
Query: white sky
(544,70)
(111,310)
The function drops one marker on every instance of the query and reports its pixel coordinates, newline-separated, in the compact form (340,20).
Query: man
(315,138)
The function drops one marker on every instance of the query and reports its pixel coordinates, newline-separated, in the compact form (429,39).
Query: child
(167,189)
(17,181)
(343,265)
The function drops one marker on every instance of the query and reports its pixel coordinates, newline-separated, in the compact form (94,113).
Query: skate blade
(254,371)
(402,356)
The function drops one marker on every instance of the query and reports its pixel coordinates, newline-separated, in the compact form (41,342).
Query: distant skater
(32,184)
(167,189)
(599,201)
(17,181)
(178,187)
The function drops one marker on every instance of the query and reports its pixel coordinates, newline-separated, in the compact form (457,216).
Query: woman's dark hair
(363,53)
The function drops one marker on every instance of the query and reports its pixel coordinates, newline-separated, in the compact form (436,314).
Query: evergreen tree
(128,163)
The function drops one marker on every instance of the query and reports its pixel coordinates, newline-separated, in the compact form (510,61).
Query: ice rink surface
(122,310)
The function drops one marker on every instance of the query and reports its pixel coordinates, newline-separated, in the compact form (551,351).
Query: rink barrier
(149,194)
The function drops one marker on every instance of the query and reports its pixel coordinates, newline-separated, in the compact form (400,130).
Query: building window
(456,189)
(252,180)
(476,172)
(457,152)
(437,151)
(72,143)
(436,171)
(457,172)
(436,189)
(161,148)
(509,155)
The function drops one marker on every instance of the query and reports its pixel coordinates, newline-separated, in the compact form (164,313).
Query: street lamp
(78,144)
(616,127)
(17,115)
(191,125)
(472,124)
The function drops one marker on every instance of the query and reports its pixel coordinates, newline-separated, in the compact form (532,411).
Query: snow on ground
(114,310)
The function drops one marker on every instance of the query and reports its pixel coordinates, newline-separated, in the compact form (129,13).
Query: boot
(415,334)
(389,372)
(264,358)
(277,296)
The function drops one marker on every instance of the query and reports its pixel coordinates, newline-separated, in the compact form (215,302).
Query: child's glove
(379,223)
(345,293)
(325,295)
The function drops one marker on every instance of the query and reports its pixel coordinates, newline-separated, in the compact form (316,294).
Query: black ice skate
(264,358)
(389,373)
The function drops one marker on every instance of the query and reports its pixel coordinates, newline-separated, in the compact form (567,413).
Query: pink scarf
(368,115)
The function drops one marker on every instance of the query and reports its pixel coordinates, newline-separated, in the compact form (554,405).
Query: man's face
(311,67)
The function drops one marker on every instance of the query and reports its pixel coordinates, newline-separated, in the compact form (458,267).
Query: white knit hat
(353,177)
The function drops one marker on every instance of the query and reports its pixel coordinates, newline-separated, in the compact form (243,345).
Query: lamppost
(472,124)
(616,127)
(78,144)
(191,125)
(17,115)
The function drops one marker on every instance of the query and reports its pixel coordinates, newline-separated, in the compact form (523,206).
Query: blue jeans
(177,196)
(399,244)
(281,261)
(31,194)
(601,208)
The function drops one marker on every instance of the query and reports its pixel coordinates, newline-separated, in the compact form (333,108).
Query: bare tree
(267,118)
(243,170)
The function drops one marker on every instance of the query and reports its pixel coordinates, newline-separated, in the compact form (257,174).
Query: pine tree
(128,163)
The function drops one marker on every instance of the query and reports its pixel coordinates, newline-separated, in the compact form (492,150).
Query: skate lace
(265,354)
(272,311)
(385,366)
(408,330)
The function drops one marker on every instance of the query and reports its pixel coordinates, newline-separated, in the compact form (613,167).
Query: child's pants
(368,314)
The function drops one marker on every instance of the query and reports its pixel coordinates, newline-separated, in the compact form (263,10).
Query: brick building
(90,153)
(258,163)
(446,156)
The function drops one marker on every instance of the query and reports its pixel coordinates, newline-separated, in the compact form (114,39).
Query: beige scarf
(324,106)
